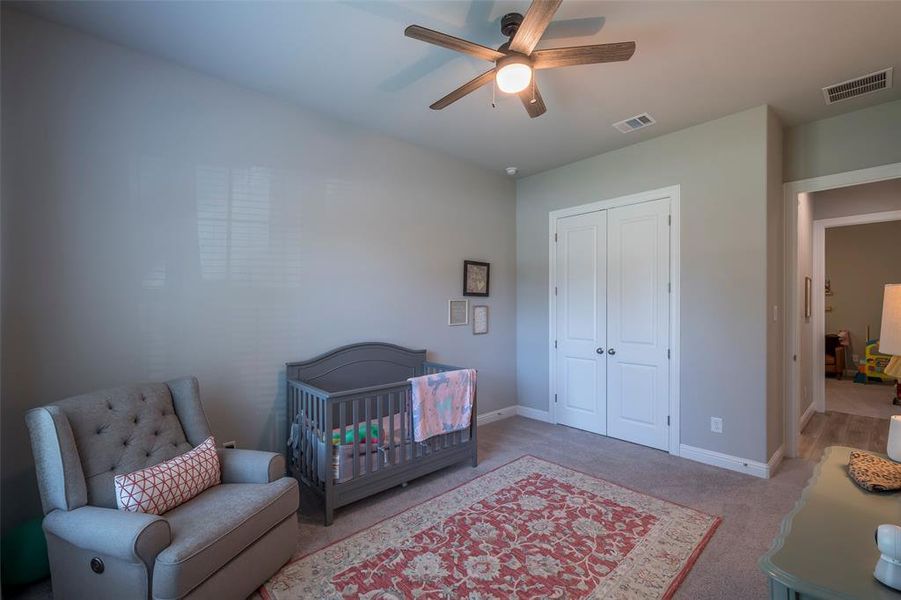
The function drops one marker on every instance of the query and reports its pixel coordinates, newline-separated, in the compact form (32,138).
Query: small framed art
(458,312)
(475,278)
(479,319)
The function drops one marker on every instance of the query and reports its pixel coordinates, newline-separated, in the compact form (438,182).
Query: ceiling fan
(516,59)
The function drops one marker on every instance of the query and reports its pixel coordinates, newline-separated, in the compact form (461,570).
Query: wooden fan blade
(466,88)
(452,43)
(533,25)
(582,55)
(532,101)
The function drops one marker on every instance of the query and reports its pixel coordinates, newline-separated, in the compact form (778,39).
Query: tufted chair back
(85,441)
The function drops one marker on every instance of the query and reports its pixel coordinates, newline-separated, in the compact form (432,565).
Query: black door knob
(600,350)
(611,351)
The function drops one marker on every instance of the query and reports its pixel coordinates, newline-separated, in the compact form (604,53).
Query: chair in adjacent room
(835,356)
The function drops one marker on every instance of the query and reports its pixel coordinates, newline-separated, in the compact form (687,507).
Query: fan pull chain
(493,94)
(534,99)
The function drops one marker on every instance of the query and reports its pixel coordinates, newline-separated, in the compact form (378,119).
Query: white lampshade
(890,333)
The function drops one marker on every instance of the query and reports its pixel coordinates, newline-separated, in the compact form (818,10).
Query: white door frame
(790,191)
(673,193)
(818,331)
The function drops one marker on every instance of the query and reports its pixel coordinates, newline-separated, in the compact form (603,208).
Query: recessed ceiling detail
(852,88)
(637,122)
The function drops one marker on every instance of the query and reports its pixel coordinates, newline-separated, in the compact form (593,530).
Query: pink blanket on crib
(442,402)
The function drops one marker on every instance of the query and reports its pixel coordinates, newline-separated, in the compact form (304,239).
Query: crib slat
(367,459)
(313,403)
(320,416)
(342,425)
(402,409)
(381,427)
(391,456)
(356,433)
(305,455)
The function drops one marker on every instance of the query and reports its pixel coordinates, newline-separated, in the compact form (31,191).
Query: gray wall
(856,140)
(157,222)
(862,199)
(722,168)
(860,260)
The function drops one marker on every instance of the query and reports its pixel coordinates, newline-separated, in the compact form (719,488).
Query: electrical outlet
(716,424)
(230,444)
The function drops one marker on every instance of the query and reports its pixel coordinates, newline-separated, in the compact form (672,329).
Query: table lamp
(888,536)
(890,343)
(890,334)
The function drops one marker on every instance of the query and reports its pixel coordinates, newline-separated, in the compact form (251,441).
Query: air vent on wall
(852,88)
(636,122)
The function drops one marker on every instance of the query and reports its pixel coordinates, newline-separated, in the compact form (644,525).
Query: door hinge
(555,343)
(668,354)
(667,420)
(669,287)
(555,398)
(555,290)
(555,237)
(669,219)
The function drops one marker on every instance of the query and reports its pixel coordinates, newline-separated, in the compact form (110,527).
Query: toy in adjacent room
(876,362)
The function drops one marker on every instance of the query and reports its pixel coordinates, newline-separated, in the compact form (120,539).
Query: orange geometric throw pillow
(162,487)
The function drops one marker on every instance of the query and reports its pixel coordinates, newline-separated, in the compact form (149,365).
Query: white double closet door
(612,322)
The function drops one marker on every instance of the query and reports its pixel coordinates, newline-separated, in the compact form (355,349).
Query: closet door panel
(638,323)
(581,328)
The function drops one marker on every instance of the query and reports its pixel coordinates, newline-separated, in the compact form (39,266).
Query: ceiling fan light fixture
(514,74)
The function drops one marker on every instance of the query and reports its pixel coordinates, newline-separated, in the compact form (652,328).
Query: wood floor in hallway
(842,429)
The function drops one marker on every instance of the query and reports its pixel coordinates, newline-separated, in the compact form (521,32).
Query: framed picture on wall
(458,312)
(475,278)
(808,299)
(479,319)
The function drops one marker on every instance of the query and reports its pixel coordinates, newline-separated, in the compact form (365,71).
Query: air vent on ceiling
(852,88)
(636,122)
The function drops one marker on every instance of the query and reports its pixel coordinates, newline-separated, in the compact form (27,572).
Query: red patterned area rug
(528,529)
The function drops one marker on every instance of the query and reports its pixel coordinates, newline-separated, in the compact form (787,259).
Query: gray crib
(349,423)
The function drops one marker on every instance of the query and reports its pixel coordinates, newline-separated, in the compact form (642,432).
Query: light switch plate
(716,424)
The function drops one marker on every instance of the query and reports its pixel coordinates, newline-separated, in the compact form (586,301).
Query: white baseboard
(534,413)
(512,411)
(733,463)
(708,457)
(806,416)
(496,415)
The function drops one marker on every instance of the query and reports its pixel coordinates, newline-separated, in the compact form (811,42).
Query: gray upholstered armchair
(223,543)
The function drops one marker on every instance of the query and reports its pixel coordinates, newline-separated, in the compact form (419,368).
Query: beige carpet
(866,400)
(751,508)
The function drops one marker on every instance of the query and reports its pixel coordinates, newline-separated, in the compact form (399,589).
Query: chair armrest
(250,466)
(118,533)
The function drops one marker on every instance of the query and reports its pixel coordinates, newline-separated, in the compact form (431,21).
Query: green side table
(826,547)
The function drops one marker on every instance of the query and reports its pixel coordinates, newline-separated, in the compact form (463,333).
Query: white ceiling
(695,61)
